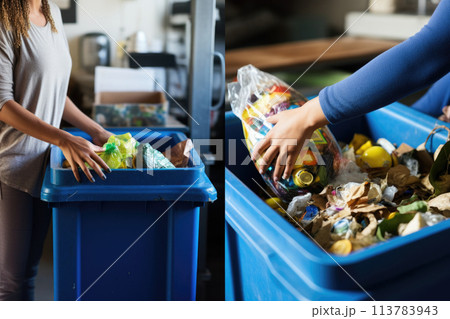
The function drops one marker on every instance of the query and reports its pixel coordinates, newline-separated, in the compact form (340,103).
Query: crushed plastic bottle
(258,95)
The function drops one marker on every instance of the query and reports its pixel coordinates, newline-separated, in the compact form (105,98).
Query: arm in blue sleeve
(437,97)
(408,67)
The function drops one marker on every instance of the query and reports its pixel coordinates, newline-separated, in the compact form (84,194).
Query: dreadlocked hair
(14,15)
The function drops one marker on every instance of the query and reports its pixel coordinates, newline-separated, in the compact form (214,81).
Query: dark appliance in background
(95,51)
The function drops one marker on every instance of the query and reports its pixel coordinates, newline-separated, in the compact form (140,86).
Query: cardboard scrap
(316,224)
(440,204)
(400,177)
(320,201)
(426,185)
(372,227)
(414,225)
(180,153)
(342,214)
(358,195)
(361,241)
(364,195)
(371,208)
(323,236)
(403,149)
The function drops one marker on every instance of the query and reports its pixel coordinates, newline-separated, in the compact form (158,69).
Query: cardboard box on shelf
(130,109)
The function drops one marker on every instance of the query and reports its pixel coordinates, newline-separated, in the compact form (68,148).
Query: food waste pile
(345,197)
(380,192)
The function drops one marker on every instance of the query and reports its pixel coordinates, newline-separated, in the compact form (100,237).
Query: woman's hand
(79,151)
(285,140)
(101,137)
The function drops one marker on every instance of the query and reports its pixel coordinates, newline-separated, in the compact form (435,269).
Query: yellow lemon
(364,147)
(376,157)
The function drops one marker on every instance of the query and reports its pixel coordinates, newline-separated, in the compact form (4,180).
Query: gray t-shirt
(36,76)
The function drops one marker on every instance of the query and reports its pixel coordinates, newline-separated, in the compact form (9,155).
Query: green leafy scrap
(391,225)
(439,173)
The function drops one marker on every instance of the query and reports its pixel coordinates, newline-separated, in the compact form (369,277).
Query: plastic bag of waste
(112,156)
(258,95)
(127,146)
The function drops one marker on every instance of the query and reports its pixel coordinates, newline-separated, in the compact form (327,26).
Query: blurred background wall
(256,22)
(267,21)
(121,19)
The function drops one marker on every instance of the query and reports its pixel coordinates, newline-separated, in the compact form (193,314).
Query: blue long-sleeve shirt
(408,67)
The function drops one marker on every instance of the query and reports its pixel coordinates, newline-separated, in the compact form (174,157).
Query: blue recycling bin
(131,237)
(266,258)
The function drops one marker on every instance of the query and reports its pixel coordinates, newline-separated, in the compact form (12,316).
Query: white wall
(118,18)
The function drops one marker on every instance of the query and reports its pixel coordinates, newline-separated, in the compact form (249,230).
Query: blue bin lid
(201,191)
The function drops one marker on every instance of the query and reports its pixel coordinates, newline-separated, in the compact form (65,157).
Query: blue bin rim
(201,191)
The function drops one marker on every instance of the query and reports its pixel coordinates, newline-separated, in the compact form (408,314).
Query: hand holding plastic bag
(120,151)
(256,97)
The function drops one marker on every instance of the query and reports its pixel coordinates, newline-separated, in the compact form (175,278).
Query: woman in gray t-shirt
(35,68)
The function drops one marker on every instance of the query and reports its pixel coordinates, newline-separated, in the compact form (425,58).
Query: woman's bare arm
(74,116)
(77,150)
